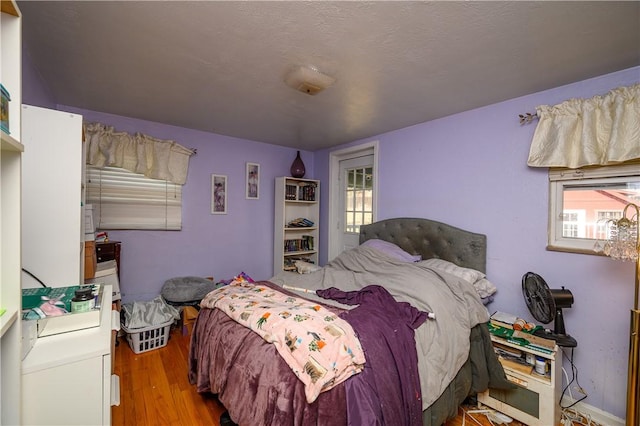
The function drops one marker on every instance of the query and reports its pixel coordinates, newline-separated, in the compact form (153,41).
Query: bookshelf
(10,218)
(297,212)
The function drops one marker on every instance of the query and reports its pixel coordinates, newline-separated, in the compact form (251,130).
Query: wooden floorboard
(155,390)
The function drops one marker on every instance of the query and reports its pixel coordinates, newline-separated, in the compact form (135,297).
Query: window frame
(561,178)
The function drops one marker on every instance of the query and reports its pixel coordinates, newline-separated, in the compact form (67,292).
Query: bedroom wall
(470,170)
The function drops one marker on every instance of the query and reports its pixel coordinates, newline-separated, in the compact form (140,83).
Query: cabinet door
(52,234)
(69,394)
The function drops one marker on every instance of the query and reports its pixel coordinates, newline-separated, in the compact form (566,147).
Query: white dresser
(67,378)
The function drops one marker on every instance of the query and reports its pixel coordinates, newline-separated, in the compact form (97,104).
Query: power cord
(569,415)
(34,277)
(572,417)
(574,378)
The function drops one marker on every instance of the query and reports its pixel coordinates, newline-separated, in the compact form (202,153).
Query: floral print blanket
(321,348)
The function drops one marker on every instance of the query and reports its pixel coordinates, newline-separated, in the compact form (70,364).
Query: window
(125,200)
(582,200)
(359,198)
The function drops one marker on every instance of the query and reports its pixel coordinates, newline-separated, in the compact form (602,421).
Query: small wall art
(218,194)
(253,181)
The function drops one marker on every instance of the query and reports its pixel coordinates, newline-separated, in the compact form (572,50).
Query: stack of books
(300,222)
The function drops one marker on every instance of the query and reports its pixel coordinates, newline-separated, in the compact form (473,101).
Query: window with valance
(134,181)
(592,149)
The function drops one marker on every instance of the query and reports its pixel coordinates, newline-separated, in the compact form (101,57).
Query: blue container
(4,110)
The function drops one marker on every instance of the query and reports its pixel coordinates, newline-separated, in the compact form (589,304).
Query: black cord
(574,373)
(35,278)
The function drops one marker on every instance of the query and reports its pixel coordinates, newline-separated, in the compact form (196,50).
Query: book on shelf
(301,191)
(307,191)
(299,244)
(290,192)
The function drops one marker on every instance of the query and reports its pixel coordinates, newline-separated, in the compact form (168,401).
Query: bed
(258,387)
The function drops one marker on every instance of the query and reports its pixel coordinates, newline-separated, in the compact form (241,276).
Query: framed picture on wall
(218,194)
(253,181)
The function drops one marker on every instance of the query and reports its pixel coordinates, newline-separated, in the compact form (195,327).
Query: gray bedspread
(443,343)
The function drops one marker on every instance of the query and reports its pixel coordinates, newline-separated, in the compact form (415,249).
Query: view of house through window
(359,198)
(583,201)
(586,209)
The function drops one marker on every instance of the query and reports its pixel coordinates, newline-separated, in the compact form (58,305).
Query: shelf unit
(535,401)
(295,198)
(10,217)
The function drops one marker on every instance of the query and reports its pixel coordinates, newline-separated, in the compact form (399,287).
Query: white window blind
(125,200)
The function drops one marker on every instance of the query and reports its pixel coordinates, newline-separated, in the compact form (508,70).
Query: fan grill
(546,305)
(538,298)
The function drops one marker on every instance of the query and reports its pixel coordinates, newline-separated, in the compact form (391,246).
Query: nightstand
(535,401)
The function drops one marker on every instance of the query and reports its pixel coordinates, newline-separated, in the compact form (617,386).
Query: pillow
(467,274)
(392,250)
(305,267)
(186,289)
(483,286)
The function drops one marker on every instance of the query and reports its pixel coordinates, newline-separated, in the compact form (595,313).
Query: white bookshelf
(10,217)
(295,198)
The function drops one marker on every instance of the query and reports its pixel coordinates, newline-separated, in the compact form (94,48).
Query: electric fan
(546,305)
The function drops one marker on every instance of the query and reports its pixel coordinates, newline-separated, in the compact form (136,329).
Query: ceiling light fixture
(308,80)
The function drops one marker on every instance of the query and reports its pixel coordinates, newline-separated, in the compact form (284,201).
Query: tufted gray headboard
(431,239)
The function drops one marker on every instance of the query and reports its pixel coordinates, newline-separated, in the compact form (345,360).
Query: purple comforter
(387,392)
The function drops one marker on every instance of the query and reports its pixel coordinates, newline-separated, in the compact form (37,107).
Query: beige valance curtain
(138,153)
(603,130)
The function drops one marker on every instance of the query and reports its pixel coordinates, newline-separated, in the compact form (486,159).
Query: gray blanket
(443,343)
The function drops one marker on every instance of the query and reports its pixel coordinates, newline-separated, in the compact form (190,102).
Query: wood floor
(155,390)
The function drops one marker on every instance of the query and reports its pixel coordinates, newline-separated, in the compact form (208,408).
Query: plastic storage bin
(148,338)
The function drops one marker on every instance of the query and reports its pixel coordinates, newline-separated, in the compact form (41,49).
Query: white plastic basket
(148,338)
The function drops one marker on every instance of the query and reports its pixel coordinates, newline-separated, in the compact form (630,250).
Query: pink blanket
(319,347)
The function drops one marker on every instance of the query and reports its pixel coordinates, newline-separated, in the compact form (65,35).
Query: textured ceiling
(219,66)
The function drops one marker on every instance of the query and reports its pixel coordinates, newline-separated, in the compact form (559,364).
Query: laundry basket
(148,338)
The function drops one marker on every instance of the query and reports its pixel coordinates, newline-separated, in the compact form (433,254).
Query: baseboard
(596,414)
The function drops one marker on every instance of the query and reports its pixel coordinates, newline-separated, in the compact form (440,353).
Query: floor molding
(596,414)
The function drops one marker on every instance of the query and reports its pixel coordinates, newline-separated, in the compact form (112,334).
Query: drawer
(103,257)
(107,251)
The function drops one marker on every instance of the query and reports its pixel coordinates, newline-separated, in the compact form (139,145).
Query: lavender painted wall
(470,170)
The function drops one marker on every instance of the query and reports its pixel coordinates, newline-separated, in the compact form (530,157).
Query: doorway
(352,195)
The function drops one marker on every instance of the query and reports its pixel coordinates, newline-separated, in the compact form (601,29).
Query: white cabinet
(10,226)
(535,402)
(67,378)
(52,211)
(295,239)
